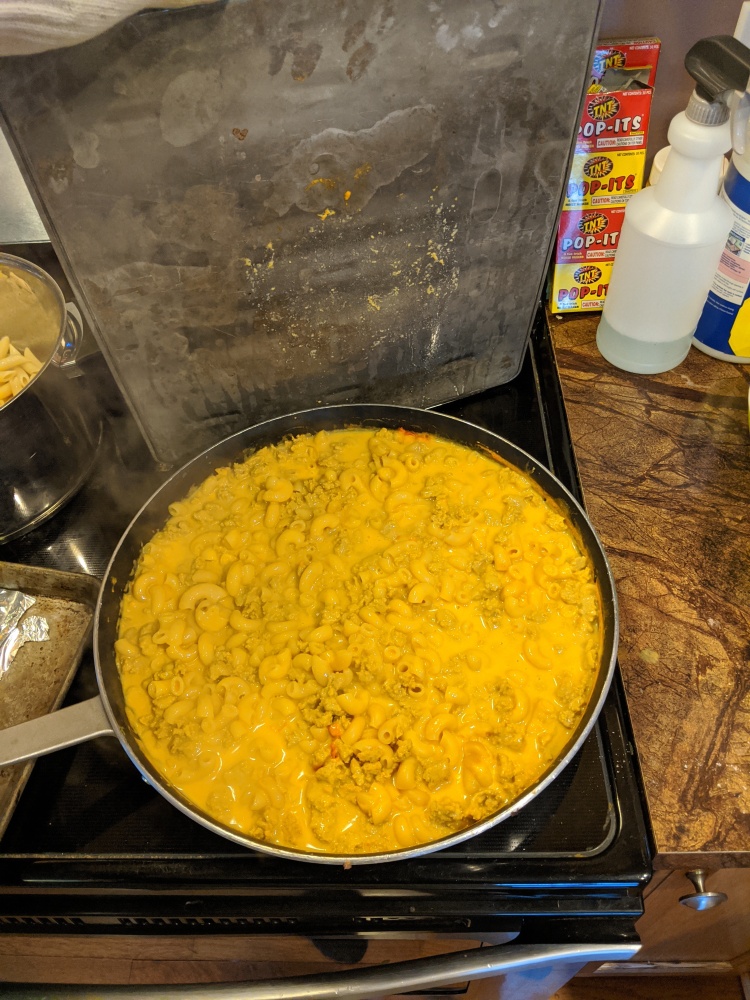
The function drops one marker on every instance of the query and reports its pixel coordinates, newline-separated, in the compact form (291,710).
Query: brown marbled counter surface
(665,466)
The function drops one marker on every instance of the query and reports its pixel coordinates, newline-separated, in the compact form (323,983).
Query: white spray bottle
(674,232)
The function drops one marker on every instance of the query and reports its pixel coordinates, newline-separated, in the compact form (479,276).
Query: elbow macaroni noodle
(359,640)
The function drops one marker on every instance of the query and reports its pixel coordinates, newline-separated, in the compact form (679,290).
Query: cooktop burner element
(92,845)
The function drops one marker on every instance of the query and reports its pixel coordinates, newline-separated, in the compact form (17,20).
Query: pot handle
(418,975)
(67,351)
(64,728)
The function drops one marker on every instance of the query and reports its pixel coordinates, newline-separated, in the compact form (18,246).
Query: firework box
(588,235)
(586,243)
(600,180)
(608,167)
(580,286)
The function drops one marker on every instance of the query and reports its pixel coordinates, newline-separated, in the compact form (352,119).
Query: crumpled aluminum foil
(14,632)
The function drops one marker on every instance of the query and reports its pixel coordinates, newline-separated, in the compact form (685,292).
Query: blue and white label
(724,326)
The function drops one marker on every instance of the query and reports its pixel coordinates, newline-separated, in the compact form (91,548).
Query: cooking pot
(106,715)
(49,433)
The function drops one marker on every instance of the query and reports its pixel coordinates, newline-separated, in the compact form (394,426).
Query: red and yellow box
(601,180)
(580,286)
(635,56)
(614,121)
(591,234)
(608,167)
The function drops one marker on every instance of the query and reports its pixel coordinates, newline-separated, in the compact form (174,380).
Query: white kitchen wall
(19,219)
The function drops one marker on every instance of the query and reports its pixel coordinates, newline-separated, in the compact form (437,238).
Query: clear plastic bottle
(670,244)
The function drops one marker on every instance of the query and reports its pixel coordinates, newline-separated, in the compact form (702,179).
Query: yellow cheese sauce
(359,640)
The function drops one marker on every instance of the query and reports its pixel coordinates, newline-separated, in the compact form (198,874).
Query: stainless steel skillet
(105,714)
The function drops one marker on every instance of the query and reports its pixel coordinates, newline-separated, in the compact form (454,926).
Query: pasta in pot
(359,640)
(16,369)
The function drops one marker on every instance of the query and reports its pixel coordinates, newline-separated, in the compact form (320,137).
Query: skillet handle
(64,728)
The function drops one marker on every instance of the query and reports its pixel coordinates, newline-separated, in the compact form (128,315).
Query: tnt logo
(603,107)
(598,167)
(592,223)
(608,59)
(587,275)
(590,296)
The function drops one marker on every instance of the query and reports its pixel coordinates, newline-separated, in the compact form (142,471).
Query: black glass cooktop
(87,820)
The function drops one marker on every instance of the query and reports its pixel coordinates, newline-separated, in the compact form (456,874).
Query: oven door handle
(421,974)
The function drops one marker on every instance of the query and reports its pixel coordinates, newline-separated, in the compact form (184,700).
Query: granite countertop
(665,465)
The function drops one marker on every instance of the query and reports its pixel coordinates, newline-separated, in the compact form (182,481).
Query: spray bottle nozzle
(720,67)
(718,64)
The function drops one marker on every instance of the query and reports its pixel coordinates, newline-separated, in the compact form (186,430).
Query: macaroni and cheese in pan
(359,640)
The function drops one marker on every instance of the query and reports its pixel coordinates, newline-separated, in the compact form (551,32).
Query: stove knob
(701,899)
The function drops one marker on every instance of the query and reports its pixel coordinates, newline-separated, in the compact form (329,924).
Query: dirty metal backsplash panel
(265,206)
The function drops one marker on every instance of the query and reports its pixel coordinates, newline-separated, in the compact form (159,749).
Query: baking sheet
(41,672)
